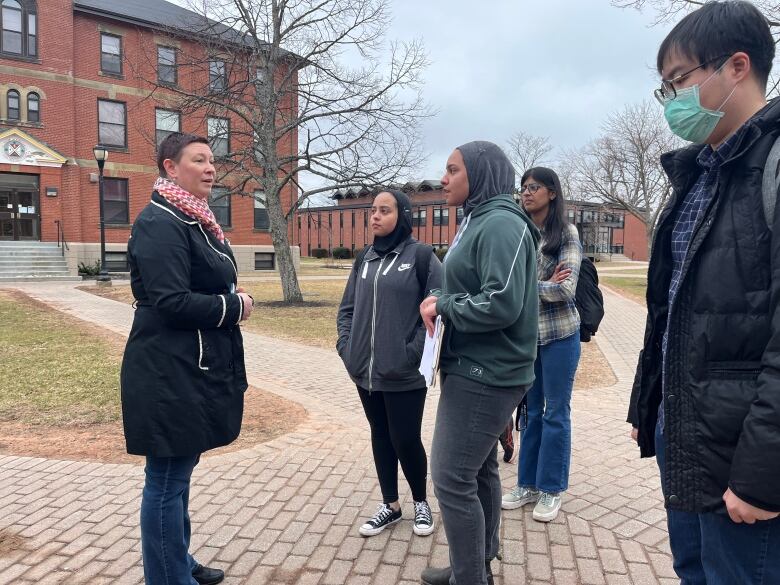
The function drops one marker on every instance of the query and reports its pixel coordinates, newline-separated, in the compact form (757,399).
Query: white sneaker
(519,497)
(547,508)
(423,519)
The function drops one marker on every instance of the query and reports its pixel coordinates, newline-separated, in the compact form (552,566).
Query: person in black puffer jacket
(706,398)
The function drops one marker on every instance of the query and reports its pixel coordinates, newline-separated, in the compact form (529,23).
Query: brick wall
(316,223)
(635,239)
(68,78)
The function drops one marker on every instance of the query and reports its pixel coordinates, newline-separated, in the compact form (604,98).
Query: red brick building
(633,239)
(605,231)
(75,73)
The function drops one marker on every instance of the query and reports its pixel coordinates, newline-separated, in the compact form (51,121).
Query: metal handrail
(61,237)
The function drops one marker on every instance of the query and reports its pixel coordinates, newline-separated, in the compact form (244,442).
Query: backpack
(588,299)
(771,183)
(422,263)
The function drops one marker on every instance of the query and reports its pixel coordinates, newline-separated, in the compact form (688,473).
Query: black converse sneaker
(423,519)
(384,517)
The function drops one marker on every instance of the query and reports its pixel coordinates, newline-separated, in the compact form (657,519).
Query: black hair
(716,31)
(555,221)
(172,147)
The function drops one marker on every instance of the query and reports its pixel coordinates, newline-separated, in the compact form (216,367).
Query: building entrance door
(20,214)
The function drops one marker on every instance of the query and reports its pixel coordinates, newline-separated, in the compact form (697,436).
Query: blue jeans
(464,469)
(545,444)
(710,549)
(165,521)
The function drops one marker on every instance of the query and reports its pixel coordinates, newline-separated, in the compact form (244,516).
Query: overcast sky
(554,68)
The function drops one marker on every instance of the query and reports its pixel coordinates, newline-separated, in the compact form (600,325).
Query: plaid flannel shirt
(558,316)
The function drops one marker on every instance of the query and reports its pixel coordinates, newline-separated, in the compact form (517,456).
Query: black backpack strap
(358,263)
(422,264)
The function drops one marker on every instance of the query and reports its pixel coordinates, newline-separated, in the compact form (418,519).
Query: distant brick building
(72,75)
(605,231)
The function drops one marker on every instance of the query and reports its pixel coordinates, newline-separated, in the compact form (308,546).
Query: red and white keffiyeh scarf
(189,205)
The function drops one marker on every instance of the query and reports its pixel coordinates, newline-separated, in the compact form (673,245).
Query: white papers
(429,365)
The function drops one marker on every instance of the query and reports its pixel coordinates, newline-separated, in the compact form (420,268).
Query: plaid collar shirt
(558,316)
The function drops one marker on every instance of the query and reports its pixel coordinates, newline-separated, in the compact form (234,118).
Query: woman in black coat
(183,376)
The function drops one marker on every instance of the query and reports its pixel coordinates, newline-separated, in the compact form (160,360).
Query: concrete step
(35,260)
(57,278)
(33,273)
(43,253)
(36,272)
(27,243)
(43,249)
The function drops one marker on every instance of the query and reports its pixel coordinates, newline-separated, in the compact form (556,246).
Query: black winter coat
(183,376)
(722,406)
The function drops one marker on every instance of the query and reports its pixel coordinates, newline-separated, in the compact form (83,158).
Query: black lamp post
(101,155)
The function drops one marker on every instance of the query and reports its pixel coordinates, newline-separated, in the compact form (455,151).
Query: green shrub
(341,253)
(89,269)
(440,253)
(319,253)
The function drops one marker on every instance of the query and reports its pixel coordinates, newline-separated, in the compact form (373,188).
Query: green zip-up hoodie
(489,297)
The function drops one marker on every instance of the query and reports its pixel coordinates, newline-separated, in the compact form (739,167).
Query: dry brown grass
(314,322)
(594,370)
(60,395)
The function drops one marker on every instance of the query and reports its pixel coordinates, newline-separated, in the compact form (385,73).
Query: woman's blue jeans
(545,444)
(165,521)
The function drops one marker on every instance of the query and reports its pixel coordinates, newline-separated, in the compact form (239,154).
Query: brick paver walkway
(287,512)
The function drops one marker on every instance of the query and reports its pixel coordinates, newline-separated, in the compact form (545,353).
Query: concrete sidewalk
(287,511)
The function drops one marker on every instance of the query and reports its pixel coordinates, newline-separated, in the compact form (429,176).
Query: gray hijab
(489,172)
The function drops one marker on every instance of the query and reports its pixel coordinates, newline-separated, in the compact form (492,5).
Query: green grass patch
(635,288)
(617,273)
(54,370)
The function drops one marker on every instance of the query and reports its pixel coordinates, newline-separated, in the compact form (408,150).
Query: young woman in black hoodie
(381,337)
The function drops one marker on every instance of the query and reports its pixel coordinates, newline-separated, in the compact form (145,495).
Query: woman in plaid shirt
(545,448)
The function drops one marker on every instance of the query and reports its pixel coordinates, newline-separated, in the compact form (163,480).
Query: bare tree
(669,10)
(314,94)
(622,166)
(564,167)
(527,151)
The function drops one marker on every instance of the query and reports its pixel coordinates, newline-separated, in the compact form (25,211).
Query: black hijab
(403,227)
(489,171)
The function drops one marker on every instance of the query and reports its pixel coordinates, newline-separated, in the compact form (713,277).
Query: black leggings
(396,420)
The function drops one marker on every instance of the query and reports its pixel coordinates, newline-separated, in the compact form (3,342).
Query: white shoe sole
(549,517)
(374,531)
(419,531)
(518,504)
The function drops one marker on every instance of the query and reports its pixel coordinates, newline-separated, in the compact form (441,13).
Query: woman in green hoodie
(489,302)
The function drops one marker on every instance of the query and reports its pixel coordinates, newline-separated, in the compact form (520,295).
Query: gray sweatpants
(464,469)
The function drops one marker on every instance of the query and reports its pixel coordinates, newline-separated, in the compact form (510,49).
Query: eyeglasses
(667,90)
(531,188)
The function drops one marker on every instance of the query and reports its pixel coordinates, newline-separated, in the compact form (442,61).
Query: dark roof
(156,14)
(409,187)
